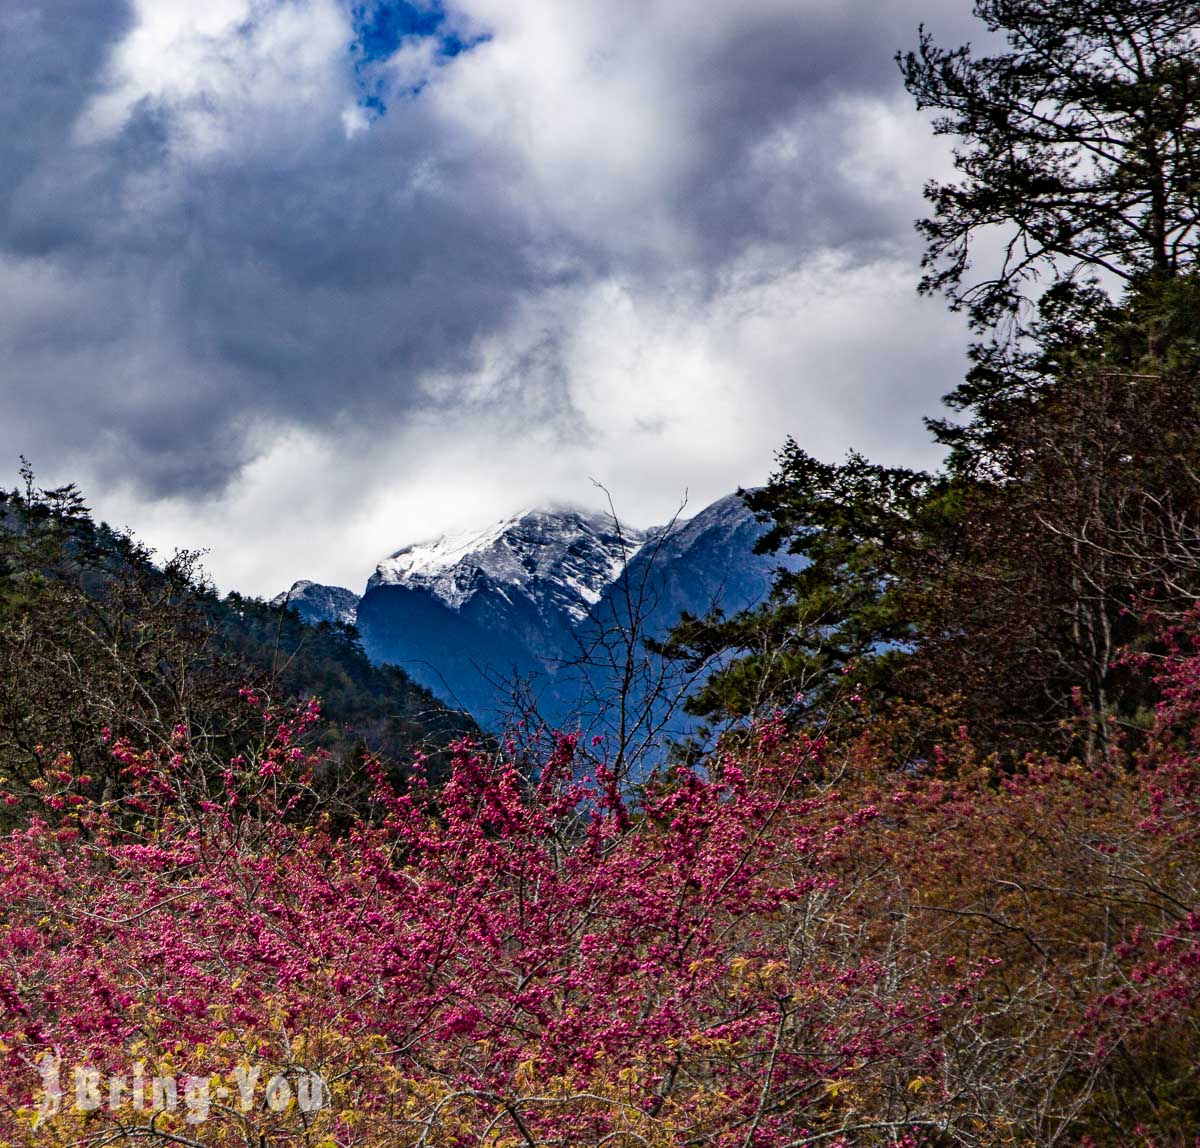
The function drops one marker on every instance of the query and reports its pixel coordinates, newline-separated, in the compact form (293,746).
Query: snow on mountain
(478,616)
(562,560)
(316,603)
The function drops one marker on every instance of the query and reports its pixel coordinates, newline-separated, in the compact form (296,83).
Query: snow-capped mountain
(561,560)
(700,563)
(521,599)
(315,603)
(470,613)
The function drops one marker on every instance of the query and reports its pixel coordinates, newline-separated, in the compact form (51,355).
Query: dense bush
(805,942)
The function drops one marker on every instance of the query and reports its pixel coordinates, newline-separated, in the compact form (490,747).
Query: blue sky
(299,281)
(383,28)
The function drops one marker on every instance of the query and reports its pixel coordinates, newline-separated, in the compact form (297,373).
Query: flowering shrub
(797,943)
(500,961)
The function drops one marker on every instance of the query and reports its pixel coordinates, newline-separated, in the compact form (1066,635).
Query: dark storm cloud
(164,305)
(49,58)
(781,68)
(299,287)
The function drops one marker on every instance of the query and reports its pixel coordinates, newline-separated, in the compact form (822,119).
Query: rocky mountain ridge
(561,559)
(316,603)
(470,614)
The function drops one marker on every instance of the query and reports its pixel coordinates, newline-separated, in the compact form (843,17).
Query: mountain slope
(467,615)
(560,560)
(96,636)
(316,604)
(694,565)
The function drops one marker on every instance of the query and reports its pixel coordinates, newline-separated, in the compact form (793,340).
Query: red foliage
(538,949)
(797,944)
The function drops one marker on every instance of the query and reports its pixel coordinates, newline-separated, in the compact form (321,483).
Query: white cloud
(219,67)
(635,240)
(678,399)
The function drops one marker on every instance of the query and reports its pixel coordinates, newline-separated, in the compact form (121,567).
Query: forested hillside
(937,882)
(95,636)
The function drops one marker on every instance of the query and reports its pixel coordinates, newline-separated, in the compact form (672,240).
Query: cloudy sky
(300,281)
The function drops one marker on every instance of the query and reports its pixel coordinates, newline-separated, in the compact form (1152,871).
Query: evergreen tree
(1078,148)
(96,636)
(1007,584)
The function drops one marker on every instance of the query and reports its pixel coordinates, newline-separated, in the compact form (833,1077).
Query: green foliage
(1077,147)
(1065,521)
(835,613)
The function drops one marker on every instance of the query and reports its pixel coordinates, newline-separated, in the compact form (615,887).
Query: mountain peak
(316,603)
(559,557)
(525,601)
